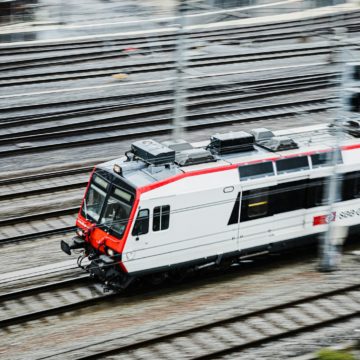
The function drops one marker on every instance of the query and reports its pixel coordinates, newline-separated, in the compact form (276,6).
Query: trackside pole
(179,90)
(331,240)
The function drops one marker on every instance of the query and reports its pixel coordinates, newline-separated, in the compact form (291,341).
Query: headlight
(110,252)
(79,233)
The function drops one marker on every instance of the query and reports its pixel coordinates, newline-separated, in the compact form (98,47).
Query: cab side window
(161,218)
(141,226)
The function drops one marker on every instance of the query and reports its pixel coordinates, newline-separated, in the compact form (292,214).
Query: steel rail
(42,191)
(143,98)
(315,25)
(131,40)
(159,65)
(196,121)
(163,107)
(15,295)
(35,315)
(211,354)
(39,216)
(35,236)
(45,175)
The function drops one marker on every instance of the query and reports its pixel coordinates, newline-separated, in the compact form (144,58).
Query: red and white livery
(165,208)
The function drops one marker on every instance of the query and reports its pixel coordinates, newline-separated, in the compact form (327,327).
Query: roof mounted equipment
(231,142)
(194,156)
(262,134)
(279,143)
(152,152)
(178,145)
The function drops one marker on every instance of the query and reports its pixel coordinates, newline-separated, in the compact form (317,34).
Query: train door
(255,216)
(139,236)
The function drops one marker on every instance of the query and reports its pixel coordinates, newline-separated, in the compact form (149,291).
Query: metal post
(180,91)
(329,251)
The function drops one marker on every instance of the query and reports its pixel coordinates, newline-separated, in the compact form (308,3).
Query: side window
(255,204)
(356,192)
(351,186)
(289,196)
(142,223)
(317,192)
(325,159)
(161,219)
(254,171)
(292,164)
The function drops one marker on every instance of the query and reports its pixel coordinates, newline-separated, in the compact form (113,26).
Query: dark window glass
(292,164)
(234,217)
(161,218)
(325,159)
(351,186)
(356,187)
(141,225)
(256,170)
(165,217)
(316,192)
(99,181)
(255,204)
(116,212)
(156,219)
(289,196)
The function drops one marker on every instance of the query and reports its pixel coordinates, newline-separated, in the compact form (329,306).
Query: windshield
(94,199)
(117,211)
(111,211)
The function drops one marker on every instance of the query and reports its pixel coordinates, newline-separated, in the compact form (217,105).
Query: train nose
(74,243)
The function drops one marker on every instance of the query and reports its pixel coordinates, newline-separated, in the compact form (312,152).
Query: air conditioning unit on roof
(152,152)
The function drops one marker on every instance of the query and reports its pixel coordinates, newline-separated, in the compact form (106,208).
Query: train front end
(103,224)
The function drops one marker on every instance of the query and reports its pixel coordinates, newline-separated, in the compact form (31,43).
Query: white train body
(238,204)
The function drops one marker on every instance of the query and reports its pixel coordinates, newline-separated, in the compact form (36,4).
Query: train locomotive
(165,208)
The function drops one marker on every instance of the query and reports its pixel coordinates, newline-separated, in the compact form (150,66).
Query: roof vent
(231,142)
(279,143)
(153,152)
(262,134)
(178,145)
(194,156)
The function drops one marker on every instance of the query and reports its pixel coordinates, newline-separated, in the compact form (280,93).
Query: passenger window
(292,164)
(254,171)
(325,159)
(357,185)
(141,226)
(161,218)
(257,203)
(351,186)
(289,196)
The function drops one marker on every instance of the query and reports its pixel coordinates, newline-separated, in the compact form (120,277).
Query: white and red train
(165,208)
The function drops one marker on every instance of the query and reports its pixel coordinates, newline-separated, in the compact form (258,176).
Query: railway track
(162,124)
(43,183)
(47,221)
(21,228)
(58,110)
(18,128)
(230,336)
(164,42)
(160,65)
(22,306)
